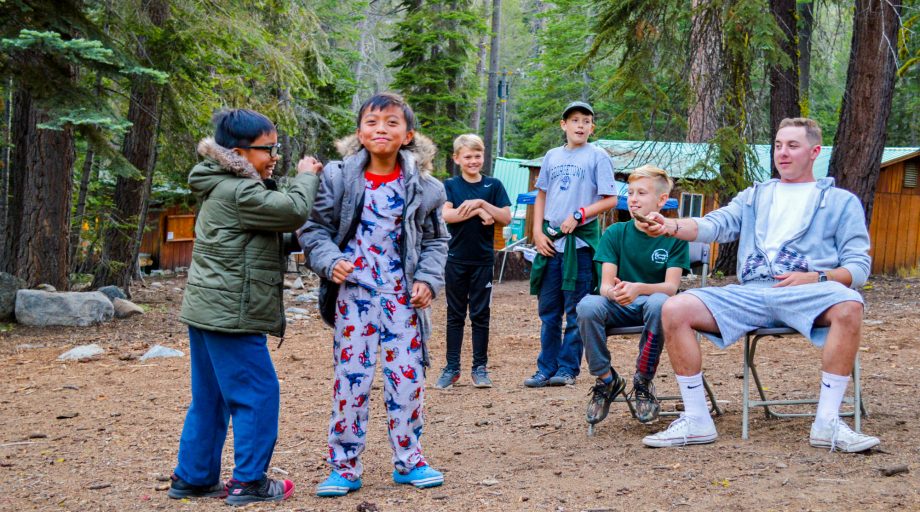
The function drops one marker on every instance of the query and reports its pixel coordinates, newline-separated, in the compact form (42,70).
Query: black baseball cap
(577,105)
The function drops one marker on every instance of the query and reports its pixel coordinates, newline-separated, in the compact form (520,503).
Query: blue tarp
(531,197)
(670,204)
(527,197)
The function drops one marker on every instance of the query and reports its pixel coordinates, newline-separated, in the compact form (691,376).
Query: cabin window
(910,174)
(691,205)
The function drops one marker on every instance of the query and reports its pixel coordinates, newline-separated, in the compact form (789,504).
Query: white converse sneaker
(837,435)
(682,432)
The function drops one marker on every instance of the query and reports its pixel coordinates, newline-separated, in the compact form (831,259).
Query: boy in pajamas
(376,323)
(377,232)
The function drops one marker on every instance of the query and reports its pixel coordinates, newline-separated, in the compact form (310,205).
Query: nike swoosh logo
(487,186)
(825,384)
(694,387)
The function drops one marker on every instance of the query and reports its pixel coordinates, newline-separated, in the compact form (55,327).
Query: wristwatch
(578,216)
(822,276)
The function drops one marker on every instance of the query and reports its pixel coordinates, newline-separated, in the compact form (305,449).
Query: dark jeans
(232,377)
(561,352)
(468,286)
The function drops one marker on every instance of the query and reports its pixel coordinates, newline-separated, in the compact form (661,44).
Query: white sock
(693,393)
(833,388)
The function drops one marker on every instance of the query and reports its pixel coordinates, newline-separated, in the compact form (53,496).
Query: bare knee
(676,313)
(844,314)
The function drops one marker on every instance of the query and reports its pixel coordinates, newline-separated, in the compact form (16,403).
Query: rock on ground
(82,352)
(80,309)
(112,292)
(126,308)
(9,285)
(157,351)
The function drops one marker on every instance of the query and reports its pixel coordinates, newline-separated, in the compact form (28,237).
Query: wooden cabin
(168,238)
(895,227)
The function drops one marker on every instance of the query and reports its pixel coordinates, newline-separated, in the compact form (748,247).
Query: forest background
(104,101)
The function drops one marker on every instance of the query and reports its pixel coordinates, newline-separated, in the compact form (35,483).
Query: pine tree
(436,48)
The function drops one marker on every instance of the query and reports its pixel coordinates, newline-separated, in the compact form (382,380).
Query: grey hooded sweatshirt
(833,234)
(340,200)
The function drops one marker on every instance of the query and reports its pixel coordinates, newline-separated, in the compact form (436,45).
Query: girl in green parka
(233,298)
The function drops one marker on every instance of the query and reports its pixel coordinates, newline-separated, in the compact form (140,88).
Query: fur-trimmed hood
(423,149)
(219,164)
(209,148)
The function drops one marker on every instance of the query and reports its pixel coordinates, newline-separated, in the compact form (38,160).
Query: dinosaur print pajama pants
(372,327)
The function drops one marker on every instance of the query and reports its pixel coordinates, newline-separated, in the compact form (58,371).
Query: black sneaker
(647,406)
(179,489)
(266,489)
(602,395)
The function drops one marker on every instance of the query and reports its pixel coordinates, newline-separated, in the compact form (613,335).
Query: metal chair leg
(714,404)
(857,394)
(746,395)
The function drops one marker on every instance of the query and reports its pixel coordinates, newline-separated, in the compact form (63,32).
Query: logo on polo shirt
(660,256)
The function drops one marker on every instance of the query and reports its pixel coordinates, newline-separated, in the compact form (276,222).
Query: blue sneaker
(421,477)
(337,485)
(537,381)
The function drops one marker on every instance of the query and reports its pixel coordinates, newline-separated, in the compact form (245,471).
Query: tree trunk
(807,27)
(737,58)
(286,162)
(492,91)
(480,68)
(119,258)
(861,132)
(784,80)
(5,173)
(41,180)
(705,72)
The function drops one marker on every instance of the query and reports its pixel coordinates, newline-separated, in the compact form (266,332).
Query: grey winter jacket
(833,236)
(425,236)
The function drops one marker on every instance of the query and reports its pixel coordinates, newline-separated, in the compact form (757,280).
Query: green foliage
(436,48)
(558,76)
(904,121)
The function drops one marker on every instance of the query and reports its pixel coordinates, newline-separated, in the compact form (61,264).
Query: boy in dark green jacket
(234,297)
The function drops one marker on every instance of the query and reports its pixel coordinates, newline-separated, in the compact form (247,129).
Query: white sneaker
(837,435)
(682,432)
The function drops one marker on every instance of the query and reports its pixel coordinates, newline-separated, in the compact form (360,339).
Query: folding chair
(518,246)
(521,245)
(750,368)
(699,253)
(713,403)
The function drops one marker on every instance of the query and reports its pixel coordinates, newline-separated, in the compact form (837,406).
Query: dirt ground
(505,448)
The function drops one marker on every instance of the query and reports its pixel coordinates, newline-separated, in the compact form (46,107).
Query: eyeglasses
(273,150)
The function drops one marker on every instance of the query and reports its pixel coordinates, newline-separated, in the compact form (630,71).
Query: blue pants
(232,376)
(596,314)
(560,352)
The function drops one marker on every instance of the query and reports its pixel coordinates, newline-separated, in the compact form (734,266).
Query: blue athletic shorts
(739,309)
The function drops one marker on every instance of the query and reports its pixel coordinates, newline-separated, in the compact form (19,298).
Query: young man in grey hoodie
(802,253)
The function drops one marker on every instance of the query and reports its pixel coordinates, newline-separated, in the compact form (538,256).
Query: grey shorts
(739,309)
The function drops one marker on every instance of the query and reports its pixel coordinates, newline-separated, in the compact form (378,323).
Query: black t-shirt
(470,241)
